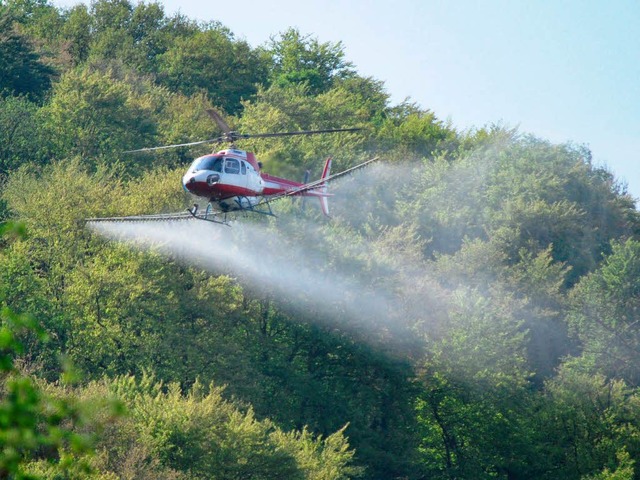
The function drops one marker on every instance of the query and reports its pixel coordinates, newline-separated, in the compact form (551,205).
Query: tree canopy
(23,70)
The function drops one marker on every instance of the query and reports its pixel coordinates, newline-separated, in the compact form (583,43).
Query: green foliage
(93,114)
(31,422)
(22,137)
(408,131)
(319,458)
(624,470)
(199,434)
(302,60)
(521,193)
(606,310)
(117,297)
(181,120)
(212,61)
(473,377)
(590,420)
(76,33)
(23,71)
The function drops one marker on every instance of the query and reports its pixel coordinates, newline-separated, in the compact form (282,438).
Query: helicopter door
(236,173)
(253,179)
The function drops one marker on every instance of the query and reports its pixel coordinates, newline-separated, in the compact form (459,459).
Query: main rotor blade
(301,132)
(215,116)
(149,149)
(230,136)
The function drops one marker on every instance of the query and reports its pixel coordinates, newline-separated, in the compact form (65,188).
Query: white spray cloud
(290,260)
(267,260)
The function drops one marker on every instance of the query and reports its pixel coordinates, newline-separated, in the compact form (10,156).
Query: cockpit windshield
(209,162)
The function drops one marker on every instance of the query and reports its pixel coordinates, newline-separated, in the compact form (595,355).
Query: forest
(471,310)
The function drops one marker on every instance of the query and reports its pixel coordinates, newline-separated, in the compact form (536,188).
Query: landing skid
(207,216)
(262,208)
(253,208)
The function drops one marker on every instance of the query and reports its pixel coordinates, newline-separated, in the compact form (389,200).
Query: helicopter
(233,181)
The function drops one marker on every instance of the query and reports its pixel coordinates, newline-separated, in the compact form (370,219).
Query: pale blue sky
(562,70)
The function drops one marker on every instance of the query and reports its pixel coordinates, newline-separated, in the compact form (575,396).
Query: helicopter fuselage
(232,179)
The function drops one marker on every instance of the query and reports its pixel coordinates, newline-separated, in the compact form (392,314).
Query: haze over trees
(472,309)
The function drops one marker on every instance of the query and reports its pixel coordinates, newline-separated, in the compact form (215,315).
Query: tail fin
(324,201)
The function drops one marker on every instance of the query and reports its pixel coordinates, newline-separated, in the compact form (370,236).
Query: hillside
(471,310)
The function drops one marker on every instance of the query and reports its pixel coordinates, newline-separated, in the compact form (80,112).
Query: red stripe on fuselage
(272,186)
(219,191)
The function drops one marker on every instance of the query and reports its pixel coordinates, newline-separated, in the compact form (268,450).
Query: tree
(41,22)
(409,131)
(200,434)
(77,33)
(300,59)
(590,422)
(95,114)
(605,313)
(22,136)
(23,71)
(134,34)
(474,374)
(212,61)
(624,470)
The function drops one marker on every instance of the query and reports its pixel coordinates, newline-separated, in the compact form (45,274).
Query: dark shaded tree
(23,70)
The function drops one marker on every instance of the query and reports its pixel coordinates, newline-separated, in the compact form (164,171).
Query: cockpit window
(231,165)
(209,162)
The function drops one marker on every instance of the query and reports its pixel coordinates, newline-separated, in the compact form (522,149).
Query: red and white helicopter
(232,180)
